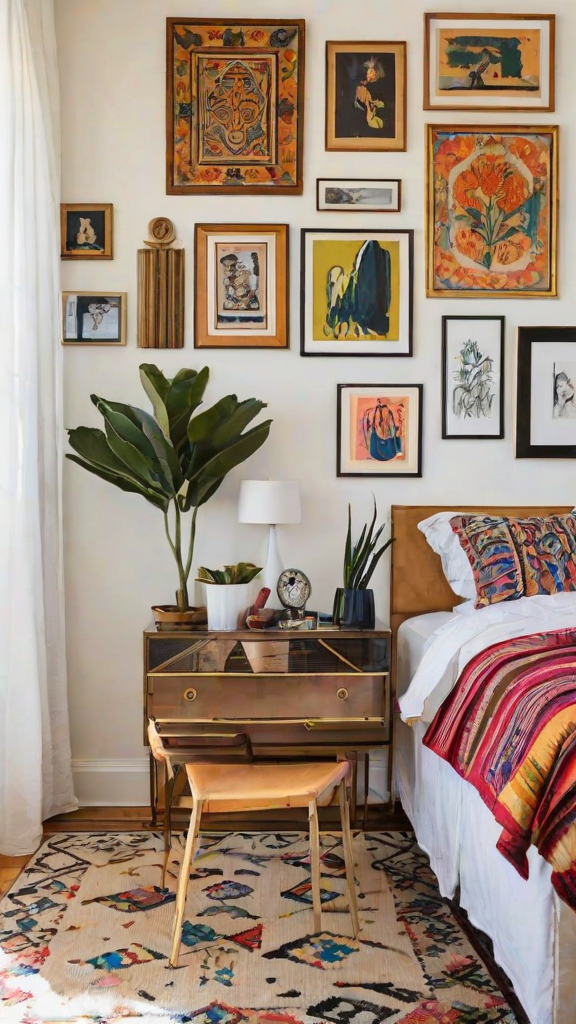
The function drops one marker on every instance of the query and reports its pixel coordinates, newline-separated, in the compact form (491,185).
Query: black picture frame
(355,354)
(350,207)
(446,436)
(341,388)
(527,337)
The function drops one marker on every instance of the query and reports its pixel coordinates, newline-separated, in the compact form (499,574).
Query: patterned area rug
(85,936)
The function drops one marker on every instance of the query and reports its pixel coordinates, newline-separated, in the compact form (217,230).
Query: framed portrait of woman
(365,96)
(546,393)
(379,430)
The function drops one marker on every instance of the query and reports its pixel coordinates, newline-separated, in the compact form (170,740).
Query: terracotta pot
(169,619)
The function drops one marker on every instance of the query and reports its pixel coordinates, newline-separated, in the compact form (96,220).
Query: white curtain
(35,768)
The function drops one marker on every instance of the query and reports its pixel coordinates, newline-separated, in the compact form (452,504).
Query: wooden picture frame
(74,314)
(546,385)
(358,195)
(207,152)
(379,426)
(489,79)
(476,245)
(473,378)
(358,101)
(332,319)
(241,286)
(91,222)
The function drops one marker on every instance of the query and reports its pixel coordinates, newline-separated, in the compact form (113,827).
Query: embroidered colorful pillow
(512,558)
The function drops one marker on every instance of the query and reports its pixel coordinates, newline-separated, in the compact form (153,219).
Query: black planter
(354,609)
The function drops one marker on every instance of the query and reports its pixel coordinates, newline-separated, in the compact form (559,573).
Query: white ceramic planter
(226,604)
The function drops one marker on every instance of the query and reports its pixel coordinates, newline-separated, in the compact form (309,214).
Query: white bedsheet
(454,827)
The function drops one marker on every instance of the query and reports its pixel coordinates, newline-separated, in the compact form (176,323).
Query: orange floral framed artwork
(492,196)
(234,106)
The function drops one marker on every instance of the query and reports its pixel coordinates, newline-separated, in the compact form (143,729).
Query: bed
(533,931)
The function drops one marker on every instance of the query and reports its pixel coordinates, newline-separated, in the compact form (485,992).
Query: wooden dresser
(268,696)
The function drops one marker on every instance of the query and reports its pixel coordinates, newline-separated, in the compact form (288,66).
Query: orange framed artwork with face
(491,209)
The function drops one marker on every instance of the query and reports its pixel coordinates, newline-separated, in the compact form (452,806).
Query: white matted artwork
(546,393)
(379,430)
(473,377)
(358,195)
(93,318)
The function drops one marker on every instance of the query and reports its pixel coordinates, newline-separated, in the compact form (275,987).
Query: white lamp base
(274,566)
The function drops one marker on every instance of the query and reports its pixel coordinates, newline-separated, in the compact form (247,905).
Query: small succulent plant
(243,572)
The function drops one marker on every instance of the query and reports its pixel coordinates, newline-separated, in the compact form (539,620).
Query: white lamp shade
(269,501)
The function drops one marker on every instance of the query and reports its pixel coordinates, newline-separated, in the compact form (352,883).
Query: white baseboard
(112,782)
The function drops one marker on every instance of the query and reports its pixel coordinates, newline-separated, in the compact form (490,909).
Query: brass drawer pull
(190,694)
(342,693)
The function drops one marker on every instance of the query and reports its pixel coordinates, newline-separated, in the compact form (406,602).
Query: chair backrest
(157,746)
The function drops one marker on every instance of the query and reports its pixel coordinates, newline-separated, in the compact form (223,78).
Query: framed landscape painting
(473,377)
(365,96)
(358,195)
(235,106)
(489,62)
(379,430)
(91,318)
(492,196)
(356,292)
(546,393)
(241,286)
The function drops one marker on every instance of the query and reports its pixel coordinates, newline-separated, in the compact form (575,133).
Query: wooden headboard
(417,583)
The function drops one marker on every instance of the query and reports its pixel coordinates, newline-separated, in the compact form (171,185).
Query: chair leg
(187,859)
(315,863)
(168,796)
(348,855)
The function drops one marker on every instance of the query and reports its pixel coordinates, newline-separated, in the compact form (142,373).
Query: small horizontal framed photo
(473,377)
(546,393)
(358,195)
(86,231)
(91,318)
(365,96)
(241,286)
(489,62)
(379,430)
(356,292)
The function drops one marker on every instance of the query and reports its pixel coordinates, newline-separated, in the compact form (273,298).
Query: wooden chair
(223,789)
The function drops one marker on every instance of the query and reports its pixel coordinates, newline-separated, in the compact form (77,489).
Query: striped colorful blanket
(509,728)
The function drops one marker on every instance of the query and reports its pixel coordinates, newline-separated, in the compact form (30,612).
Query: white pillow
(446,543)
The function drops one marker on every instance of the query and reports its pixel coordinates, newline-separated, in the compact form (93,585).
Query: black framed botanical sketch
(379,430)
(358,195)
(86,231)
(356,292)
(365,96)
(93,318)
(546,393)
(473,377)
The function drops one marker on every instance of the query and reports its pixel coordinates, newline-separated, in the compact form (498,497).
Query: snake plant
(361,559)
(174,459)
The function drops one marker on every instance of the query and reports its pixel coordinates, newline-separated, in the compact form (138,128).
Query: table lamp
(272,502)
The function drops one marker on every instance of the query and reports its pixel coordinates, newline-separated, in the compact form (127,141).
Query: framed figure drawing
(356,292)
(365,96)
(472,377)
(91,318)
(241,286)
(86,231)
(379,430)
(546,393)
(489,62)
(491,211)
(235,106)
(358,195)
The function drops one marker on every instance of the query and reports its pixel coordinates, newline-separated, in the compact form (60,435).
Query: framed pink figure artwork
(379,430)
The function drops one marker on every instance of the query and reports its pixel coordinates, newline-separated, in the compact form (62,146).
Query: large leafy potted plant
(354,602)
(174,459)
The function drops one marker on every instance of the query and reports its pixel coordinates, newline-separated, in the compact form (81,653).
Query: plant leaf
(156,386)
(129,443)
(184,396)
(366,579)
(242,449)
(234,424)
(348,550)
(122,482)
(163,449)
(203,425)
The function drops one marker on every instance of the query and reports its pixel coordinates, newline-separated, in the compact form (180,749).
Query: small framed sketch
(489,62)
(379,430)
(241,286)
(472,377)
(86,231)
(365,96)
(91,318)
(546,393)
(358,195)
(356,292)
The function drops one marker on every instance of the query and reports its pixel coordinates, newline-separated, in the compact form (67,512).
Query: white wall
(112,67)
